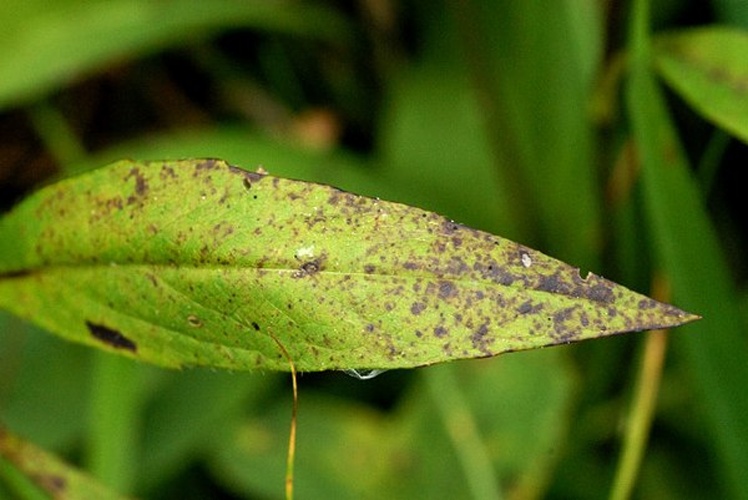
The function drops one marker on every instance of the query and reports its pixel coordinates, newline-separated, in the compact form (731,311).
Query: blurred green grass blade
(540,103)
(45,45)
(708,67)
(688,250)
(43,372)
(201,263)
(114,421)
(459,423)
(521,405)
(51,476)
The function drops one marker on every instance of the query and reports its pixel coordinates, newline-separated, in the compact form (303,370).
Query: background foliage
(562,125)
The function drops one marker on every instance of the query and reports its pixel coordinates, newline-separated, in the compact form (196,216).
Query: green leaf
(44,45)
(708,67)
(46,473)
(197,262)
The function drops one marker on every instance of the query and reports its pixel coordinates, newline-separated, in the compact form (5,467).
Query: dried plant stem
(291,456)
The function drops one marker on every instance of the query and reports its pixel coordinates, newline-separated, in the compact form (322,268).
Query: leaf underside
(197,262)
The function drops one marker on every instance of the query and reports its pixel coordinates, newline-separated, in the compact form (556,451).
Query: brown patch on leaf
(417,307)
(307,269)
(111,337)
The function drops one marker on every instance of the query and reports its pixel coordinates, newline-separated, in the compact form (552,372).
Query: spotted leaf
(197,262)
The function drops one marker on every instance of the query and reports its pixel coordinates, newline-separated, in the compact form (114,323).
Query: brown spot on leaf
(479,340)
(601,293)
(255,326)
(417,307)
(440,331)
(111,337)
(206,164)
(308,268)
(553,284)
(141,185)
(562,332)
(167,172)
(528,307)
(450,227)
(194,321)
(645,304)
(447,290)
(492,271)
(248,178)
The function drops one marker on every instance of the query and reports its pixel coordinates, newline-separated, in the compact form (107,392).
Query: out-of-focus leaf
(190,410)
(43,376)
(201,263)
(709,68)
(688,251)
(46,44)
(48,473)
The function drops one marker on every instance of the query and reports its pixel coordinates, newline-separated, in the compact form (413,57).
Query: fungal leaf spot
(111,337)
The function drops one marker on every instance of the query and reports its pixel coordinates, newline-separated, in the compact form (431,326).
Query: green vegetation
(607,139)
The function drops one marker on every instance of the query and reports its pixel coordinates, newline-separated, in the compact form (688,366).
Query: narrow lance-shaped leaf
(200,263)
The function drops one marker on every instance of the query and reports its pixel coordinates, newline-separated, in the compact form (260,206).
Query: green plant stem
(113,421)
(639,420)
(639,43)
(463,431)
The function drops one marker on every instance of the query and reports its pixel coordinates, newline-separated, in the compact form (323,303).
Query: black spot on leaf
(111,337)
(307,269)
